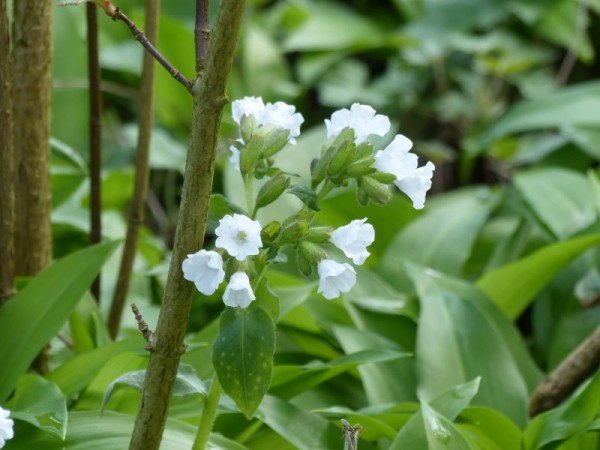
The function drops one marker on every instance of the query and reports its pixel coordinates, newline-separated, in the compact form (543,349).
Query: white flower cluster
(279,114)
(239,236)
(395,159)
(6,426)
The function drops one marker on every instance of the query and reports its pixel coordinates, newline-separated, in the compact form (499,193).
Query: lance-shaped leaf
(243,355)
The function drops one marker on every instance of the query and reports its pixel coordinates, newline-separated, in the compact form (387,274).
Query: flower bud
(341,158)
(382,177)
(379,192)
(295,232)
(362,197)
(364,150)
(270,232)
(361,167)
(304,264)
(247,127)
(309,255)
(275,139)
(271,190)
(319,235)
(250,154)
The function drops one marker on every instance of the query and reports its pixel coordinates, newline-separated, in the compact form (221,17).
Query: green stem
(248,184)
(326,189)
(208,415)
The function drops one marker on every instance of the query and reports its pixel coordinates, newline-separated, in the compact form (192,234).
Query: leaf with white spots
(243,355)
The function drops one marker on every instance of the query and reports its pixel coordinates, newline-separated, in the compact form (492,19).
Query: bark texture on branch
(580,364)
(7,164)
(209,100)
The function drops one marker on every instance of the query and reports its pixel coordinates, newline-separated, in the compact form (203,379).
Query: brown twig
(571,57)
(582,362)
(143,327)
(7,164)
(142,167)
(95,135)
(201,35)
(209,100)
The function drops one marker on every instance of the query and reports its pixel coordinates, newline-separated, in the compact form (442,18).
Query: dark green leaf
(306,195)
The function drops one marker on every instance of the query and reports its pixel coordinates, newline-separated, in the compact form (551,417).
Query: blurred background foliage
(500,94)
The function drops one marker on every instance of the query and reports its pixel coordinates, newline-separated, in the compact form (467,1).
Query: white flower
(239,235)
(280,114)
(361,118)
(353,239)
(335,278)
(205,269)
(283,116)
(238,292)
(6,426)
(249,106)
(235,157)
(412,180)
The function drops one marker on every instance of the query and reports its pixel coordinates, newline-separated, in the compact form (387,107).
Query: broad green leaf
(562,199)
(41,404)
(306,195)
(566,420)
(77,373)
(486,428)
(458,339)
(267,299)
(243,355)
(514,286)
(33,316)
(570,106)
(305,430)
(440,432)
(442,238)
(186,383)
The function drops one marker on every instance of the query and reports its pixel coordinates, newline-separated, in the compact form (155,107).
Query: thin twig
(95,135)
(201,34)
(209,101)
(351,434)
(582,362)
(143,327)
(571,57)
(142,167)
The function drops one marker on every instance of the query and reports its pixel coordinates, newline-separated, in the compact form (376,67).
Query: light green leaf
(514,286)
(243,355)
(41,404)
(486,428)
(561,198)
(33,316)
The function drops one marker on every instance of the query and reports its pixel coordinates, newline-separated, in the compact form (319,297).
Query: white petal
(396,159)
(239,236)
(205,269)
(6,426)
(353,239)
(238,292)
(284,116)
(235,157)
(417,185)
(249,106)
(361,118)
(335,278)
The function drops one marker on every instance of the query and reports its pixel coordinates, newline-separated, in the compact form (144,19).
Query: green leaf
(305,430)
(488,429)
(41,404)
(186,383)
(514,286)
(33,316)
(267,299)
(306,195)
(458,339)
(243,355)
(442,238)
(567,420)
(561,198)
(439,431)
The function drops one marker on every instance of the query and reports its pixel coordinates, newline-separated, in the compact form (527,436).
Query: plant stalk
(95,134)
(7,164)
(136,208)
(209,415)
(209,100)
(201,35)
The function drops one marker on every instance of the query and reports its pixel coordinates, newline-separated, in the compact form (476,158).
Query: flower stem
(208,415)
(325,189)
(248,183)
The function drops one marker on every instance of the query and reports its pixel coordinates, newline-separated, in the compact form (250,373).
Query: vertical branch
(95,134)
(209,100)
(201,34)
(32,91)
(7,164)
(136,208)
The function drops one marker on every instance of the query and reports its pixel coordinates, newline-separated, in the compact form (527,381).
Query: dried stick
(136,208)
(143,327)
(7,164)
(209,100)
(95,135)
(201,35)
(571,57)
(582,362)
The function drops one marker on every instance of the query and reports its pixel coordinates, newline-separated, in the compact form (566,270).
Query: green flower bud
(295,232)
(362,197)
(275,139)
(271,190)
(341,158)
(250,154)
(361,167)
(270,232)
(382,177)
(379,192)
(247,127)
(304,265)
(312,252)
(319,235)
(364,150)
